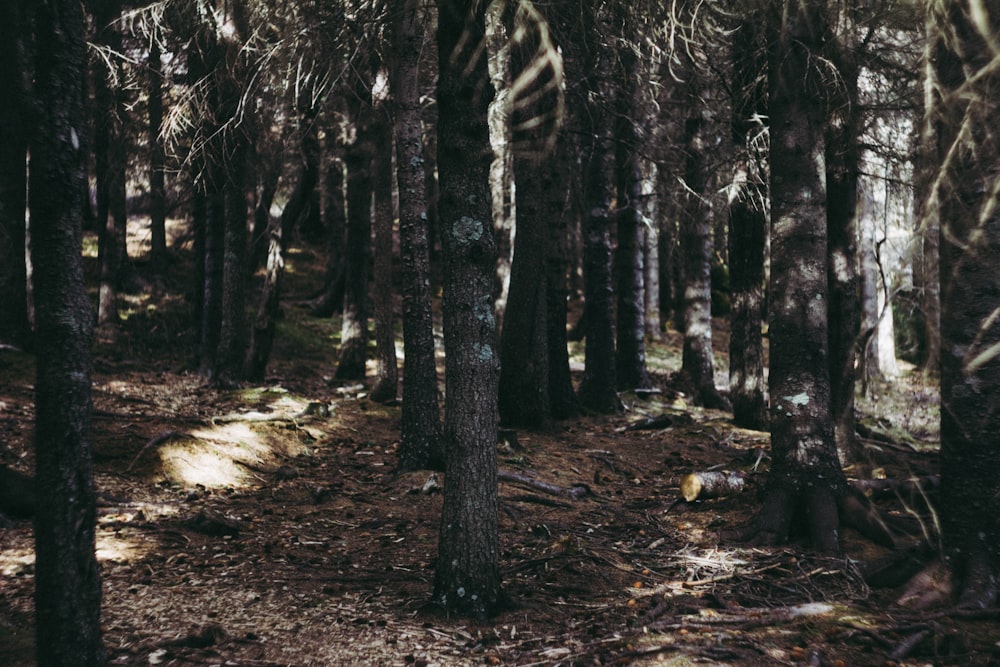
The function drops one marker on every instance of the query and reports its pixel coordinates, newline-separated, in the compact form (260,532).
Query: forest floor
(267,525)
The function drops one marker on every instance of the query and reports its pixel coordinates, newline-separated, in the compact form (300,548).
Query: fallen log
(712,484)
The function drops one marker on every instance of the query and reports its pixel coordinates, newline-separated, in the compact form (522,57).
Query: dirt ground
(267,526)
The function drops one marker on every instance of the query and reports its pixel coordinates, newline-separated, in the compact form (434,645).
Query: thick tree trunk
(420,445)
(467,576)
(805,480)
(747,232)
(14,326)
(968,151)
(233,335)
(157,162)
(67,578)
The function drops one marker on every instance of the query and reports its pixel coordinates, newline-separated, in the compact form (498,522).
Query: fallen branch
(576,491)
(911,487)
(156,441)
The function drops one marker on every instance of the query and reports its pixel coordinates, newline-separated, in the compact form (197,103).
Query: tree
(599,387)
(14,326)
(419,446)
(965,51)
(748,228)
(631,124)
(806,478)
(535,97)
(67,579)
(467,576)
(110,157)
(359,155)
(157,160)
(697,364)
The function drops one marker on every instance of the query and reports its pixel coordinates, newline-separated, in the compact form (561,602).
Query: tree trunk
(67,578)
(14,326)
(467,576)
(232,334)
(806,480)
(110,157)
(420,445)
(599,387)
(157,162)
(747,231)
(842,158)
(502,191)
(968,150)
(387,380)
(697,364)
(524,367)
(331,299)
(630,125)
(354,326)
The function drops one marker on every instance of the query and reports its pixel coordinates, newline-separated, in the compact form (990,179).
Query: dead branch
(155,442)
(576,491)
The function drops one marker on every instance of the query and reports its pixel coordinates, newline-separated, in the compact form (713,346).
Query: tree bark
(67,578)
(354,325)
(697,364)
(14,125)
(599,388)
(110,157)
(467,578)
(630,125)
(157,162)
(387,375)
(748,231)
(968,150)
(420,445)
(842,164)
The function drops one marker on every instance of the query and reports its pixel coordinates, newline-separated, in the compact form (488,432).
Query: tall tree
(535,97)
(67,579)
(467,575)
(599,387)
(359,155)
(965,49)
(14,326)
(630,126)
(806,479)
(843,155)
(421,430)
(157,159)
(110,156)
(698,359)
(748,228)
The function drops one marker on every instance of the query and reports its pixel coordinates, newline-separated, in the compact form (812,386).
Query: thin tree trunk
(697,364)
(15,328)
(387,379)
(420,445)
(747,232)
(502,191)
(67,578)
(157,162)
(354,326)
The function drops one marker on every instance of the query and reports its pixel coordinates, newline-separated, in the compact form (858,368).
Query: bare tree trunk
(467,578)
(748,231)
(14,326)
(387,379)
(502,168)
(67,578)
(157,162)
(420,445)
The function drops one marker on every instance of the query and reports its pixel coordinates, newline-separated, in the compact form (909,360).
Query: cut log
(712,484)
